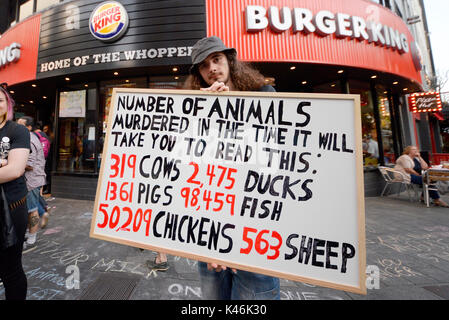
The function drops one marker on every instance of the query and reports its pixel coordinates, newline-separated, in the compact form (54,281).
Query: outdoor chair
(394,177)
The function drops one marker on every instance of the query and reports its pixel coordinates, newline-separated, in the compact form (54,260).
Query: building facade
(62,59)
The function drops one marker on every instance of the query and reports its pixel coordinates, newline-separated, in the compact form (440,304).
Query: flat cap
(204,47)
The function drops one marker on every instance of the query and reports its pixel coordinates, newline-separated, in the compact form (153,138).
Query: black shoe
(28,247)
(163,266)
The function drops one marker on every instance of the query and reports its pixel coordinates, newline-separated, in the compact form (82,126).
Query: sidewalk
(408,242)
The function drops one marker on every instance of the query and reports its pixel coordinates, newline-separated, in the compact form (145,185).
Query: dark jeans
(11,270)
(418,180)
(243,285)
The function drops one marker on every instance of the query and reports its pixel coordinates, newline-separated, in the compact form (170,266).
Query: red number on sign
(249,241)
(218,194)
(259,240)
(210,173)
(277,236)
(128,222)
(102,208)
(230,171)
(195,172)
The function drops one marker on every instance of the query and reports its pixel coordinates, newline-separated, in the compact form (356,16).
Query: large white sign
(265,182)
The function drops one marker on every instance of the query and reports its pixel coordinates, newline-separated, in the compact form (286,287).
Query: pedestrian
(411,164)
(14,152)
(35,179)
(48,161)
(216,68)
(44,209)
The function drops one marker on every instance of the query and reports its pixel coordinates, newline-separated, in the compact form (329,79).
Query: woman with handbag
(14,151)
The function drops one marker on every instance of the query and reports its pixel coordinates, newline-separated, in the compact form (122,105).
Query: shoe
(441,203)
(28,247)
(44,219)
(163,266)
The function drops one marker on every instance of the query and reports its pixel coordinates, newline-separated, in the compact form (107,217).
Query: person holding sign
(215,68)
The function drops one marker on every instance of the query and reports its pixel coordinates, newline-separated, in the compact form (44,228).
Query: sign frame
(360,202)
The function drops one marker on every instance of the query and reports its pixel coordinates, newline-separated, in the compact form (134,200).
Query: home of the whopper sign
(265,182)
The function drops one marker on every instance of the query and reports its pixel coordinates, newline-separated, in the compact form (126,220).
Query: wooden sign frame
(355,156)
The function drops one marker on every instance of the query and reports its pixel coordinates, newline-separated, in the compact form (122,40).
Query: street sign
(258,181)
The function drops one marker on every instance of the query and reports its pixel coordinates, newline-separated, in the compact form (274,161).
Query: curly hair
(244,77)
(10,105)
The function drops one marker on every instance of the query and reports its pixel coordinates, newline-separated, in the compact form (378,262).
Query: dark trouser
(418,180)
(11,270)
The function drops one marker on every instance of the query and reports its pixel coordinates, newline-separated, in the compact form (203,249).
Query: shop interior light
(405,89)
(175,69)
(126,80)
(292,68)
(304,82)
(395,82)
(116,73)
(86,85)
(34,85)
(341,71)
(31,101)
(67,79)
(333,85)
(373,77)
(44,97)
(176,78)
(11,91)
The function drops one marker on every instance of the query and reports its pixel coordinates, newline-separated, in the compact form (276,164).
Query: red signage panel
(19,50)
(353,33)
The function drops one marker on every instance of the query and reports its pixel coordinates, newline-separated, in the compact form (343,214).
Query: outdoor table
(432,175)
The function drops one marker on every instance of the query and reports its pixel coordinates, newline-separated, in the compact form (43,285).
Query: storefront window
(77,135)
(385,126)
(369,132)
(26,9)
(167,82)
(42,4)
(106,88)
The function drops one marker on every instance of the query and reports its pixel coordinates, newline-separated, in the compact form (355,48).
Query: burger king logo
(109,21)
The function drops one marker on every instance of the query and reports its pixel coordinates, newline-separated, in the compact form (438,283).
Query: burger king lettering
(9,54)
(324,23)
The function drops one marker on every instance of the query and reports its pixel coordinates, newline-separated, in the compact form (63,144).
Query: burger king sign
(109,21)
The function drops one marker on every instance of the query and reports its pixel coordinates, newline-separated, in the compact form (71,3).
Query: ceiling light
(395,82)
(126,80)
(333,85)
(44,97)
(31,101)
(373,77)
(176,78)
(116,73)
(11,91)
(34,85)
(175,69)
(341,71)
(67,79)
(304,82)
(292,68)
(86,85)
(405,89)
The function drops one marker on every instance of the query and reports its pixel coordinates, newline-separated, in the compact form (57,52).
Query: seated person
(411,164)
